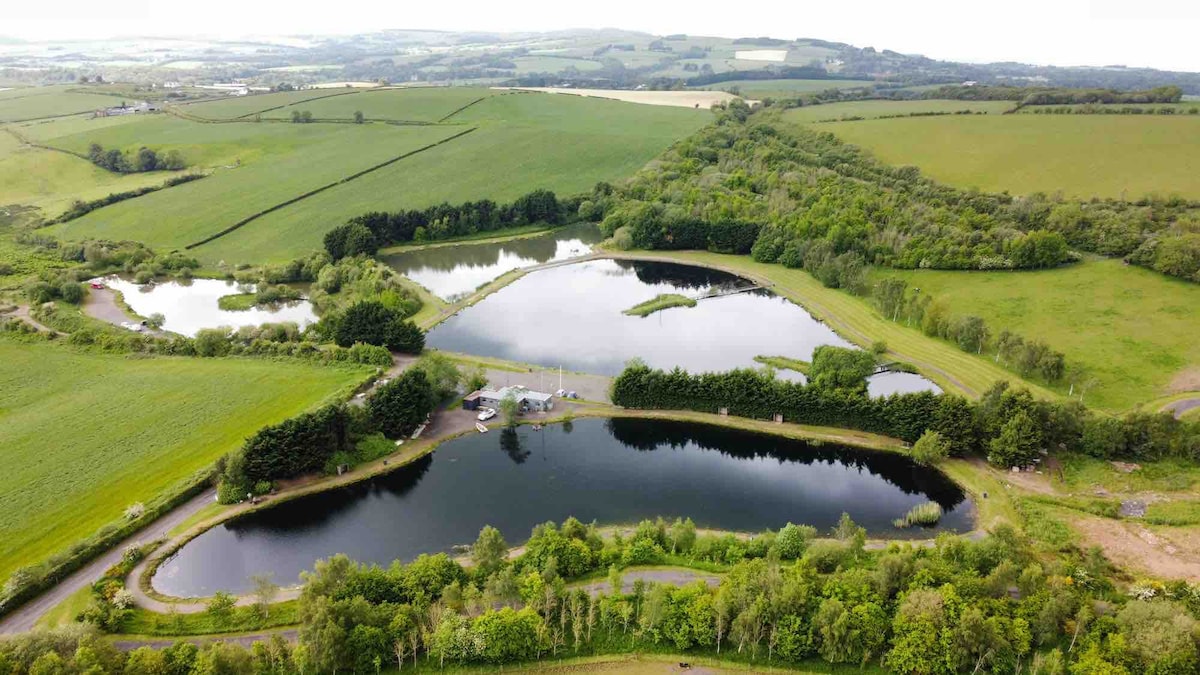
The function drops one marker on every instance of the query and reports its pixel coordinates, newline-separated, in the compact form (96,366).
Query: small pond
(572,316)
(190,305)
(453,272)
(611,471)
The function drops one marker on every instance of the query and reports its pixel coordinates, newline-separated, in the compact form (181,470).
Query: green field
(523,142)
(553,64)
(52,180)
(1132,329)
(50,102)
(784,88)
(278,162)
(233,107)
(415,104)
(85,435)
(1084,156)
(873,109)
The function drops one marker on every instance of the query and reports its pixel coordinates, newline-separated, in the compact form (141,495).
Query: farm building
(527,400)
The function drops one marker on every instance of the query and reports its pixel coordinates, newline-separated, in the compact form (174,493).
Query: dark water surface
(611,471)
(453,272)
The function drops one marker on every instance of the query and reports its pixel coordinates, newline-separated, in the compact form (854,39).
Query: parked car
(571,394)
(97,285)
(560,393)
(486,414)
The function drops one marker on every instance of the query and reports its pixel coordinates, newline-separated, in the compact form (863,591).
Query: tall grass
(922,515)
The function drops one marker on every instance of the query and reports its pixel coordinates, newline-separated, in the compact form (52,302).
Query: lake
(612,471)
(454,272)
(571,316)
(190,305)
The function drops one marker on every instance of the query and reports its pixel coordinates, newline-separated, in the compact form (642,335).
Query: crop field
(783,88)
(1119,156)
(1133,330)
(50,102)
(523,142)
(416,104)
(234,107)
(874,109)
(291,160)
(51,180)
(85,435)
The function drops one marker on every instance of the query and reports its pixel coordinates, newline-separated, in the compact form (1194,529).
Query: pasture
(1084,156)
(877,108)
(784,88)
(234,107)
(271,163)
(522,142)
(37,103)
(51,180)
(1131,329)
(413,104)
(84,435)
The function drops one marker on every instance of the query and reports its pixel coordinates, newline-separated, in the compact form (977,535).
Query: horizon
(1076,33)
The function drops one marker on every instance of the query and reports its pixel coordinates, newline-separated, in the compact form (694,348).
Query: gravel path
(1178,408)
(22,312)
(680,576)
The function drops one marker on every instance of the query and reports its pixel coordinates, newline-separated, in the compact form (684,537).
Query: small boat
(482,429)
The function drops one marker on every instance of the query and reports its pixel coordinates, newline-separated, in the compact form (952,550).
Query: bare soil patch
(1187,379)
(682,99)
(1171,554)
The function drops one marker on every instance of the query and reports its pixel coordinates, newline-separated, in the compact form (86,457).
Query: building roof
(518,392)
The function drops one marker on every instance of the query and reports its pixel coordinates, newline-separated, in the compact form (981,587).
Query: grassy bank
(784,363)
(86,435)
(659,303)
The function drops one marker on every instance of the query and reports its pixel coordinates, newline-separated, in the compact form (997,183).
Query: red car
(97,285)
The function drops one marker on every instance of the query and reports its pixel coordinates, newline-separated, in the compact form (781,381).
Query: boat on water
(482,429)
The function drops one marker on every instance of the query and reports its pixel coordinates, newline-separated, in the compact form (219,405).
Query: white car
(486,414)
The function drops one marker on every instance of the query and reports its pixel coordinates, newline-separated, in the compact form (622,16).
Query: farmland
(784,88)
(273,163)
(1084,156)
(417,104)
(28,104)
(233,107)
(86,435)
(872,109)
(1132,330)
(523,142)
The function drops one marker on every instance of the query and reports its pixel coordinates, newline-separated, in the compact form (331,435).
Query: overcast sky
(1154,33)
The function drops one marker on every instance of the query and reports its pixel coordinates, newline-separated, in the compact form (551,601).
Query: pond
(572,316)
(614,471)
(190,305)
(454,272)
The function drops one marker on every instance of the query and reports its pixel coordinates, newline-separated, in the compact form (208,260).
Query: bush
(371,322)
(930,449)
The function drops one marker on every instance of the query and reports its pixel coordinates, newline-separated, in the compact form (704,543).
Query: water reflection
(453,272)
(191,304)
(610,471)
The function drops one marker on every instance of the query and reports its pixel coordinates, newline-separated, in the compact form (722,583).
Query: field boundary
(241,223)
(455,112)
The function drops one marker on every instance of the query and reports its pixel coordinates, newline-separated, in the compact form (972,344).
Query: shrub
(930,449)
(926,514)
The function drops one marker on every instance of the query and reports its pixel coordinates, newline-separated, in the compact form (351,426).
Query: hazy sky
(1155,33)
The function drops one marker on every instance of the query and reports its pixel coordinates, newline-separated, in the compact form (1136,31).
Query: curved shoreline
(140,580)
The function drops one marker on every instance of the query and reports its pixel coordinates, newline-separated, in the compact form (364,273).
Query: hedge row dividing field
(85,435)
(522,142)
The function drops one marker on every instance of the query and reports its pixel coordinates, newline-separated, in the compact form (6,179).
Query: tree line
(80,208)
(896,301)
(145,159)
(1007,426)
(1033,96)
(785,598)
(366,234)
(802,198)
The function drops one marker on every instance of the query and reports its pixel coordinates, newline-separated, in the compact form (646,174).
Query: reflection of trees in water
(682,277)
(510,443)
(539,249)
(315,510)
(650,435)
